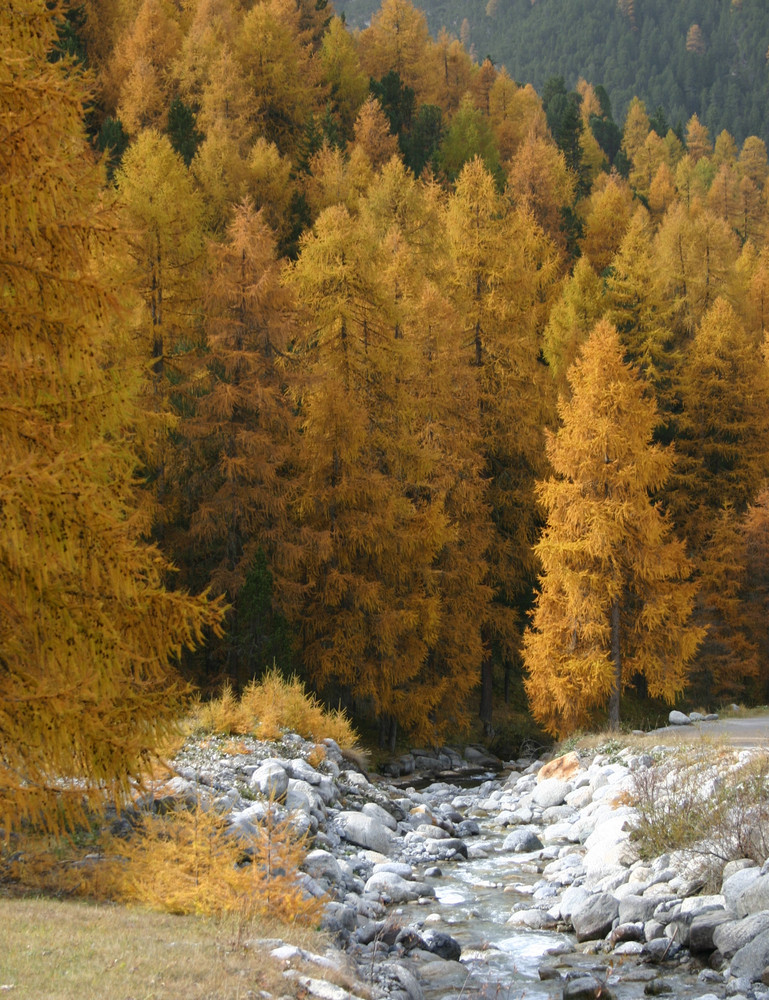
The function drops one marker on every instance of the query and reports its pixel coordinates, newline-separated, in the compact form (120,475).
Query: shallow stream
(474,900)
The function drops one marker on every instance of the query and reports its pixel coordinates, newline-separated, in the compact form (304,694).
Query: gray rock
(754,897)
(629,948)
(338,917)
(534,920)
(731,867)
(633,909)
(608,846)
(594,918)
(626,932)
(438,974)
(572,899)
(558,814)
(751,960)
(397,889)
(703,927)
(381,815)
(443,945)
(323,990)
(299,768)
(448,848)
(658,988)
(522,841)
(661,949)
(432,832)
(580,797)
(551,792)
(323,864)
(407,980)
(585,988)
(733,935)
(679,719)
(269,780)
(369,931)
(365,831)
(397,868)
(302,795)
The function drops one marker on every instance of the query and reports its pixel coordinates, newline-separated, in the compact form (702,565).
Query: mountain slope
(647,48)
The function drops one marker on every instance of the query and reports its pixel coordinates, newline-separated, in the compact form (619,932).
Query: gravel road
(752,731)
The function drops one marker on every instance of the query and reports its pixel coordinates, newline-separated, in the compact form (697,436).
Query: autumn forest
(340,351)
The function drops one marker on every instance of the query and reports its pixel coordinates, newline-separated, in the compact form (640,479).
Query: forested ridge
(703,57)
(435,390)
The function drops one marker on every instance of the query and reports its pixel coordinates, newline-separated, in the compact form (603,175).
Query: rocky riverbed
(527,883)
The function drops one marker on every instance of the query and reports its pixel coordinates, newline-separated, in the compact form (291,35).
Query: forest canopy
(703,57)
(325,359)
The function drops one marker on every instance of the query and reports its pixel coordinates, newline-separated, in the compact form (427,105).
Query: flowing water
(474,900)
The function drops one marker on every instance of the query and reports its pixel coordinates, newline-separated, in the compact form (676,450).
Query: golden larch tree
(360,583)
(614,600)
(234,434)
(502,271)
(88,631)
(572,317)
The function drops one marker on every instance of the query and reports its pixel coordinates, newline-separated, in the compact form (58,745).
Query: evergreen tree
(502,267)
(234,439)
(88,631)
(361,583)
(614,599)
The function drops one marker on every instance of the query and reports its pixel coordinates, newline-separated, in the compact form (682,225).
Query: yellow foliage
(89,636)
(188,861)
(270,706)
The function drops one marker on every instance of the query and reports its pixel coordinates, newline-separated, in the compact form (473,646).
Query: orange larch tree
(502,271)
(614,598)
(234,437)
(88,631)
(360,581)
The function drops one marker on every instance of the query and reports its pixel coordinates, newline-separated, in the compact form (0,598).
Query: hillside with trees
(441,394)
(703,57)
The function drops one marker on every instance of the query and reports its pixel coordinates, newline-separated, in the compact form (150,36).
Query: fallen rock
(550,792)
(703,928)
(562,768)
(585,988)
(397,889)
(522,841)
(381,815)
(594,918)
(679,719)
(269,780)
(365,831)
(754,897)
(751,960)
(733,935)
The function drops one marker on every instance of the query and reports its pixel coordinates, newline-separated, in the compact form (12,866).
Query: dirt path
(752,731)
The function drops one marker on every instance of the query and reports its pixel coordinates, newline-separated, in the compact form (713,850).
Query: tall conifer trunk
(487,694)
(616,658)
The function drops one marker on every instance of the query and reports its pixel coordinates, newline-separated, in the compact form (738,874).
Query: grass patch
(72,950)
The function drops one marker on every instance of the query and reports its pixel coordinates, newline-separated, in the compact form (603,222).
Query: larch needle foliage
(87,628)
(615,599)
(270,706)
(190,861)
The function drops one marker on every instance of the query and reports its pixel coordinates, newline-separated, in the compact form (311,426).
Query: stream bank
(527,884)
